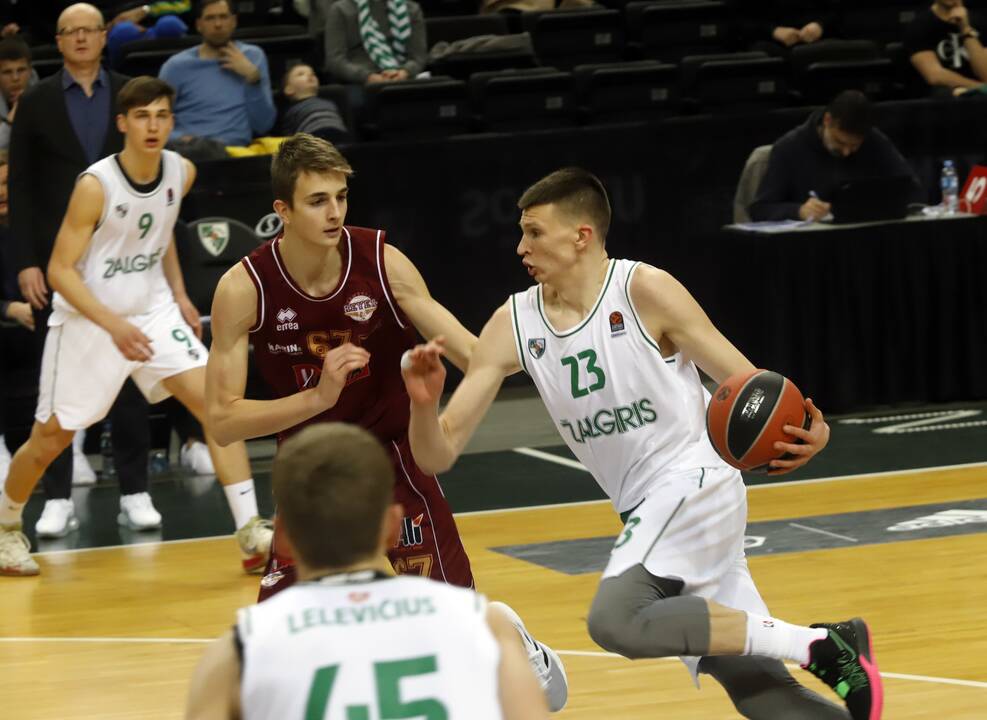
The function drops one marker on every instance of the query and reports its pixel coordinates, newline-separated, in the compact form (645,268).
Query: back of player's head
(574,191)
(303,153)
(852,112)
(13,48)
(142,91)
(332,484)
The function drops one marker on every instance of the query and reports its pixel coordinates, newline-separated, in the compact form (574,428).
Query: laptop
(872,199)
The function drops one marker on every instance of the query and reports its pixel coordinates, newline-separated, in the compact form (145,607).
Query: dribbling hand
(130,341)
(423,372)
(337,366)
(813,441)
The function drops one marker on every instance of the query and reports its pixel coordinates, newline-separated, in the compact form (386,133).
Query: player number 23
(589,356)
(388,676)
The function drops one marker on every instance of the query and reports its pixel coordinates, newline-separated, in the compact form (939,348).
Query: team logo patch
(272,579)
(616,322)
(268,226)
(411,531)
(121,210)
(360,308)
(214,236)
(171,196)
(536,346)
(358,597)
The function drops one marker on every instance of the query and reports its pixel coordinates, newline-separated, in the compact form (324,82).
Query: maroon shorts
(429,544)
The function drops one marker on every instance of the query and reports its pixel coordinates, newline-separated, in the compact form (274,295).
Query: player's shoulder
(651,285)
(235,287)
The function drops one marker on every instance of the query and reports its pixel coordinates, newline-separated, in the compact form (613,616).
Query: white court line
(568,463)
(573,653)
(823,532)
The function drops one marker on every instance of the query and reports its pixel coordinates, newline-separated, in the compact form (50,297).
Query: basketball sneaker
(4,459)
(255,543)
(845,661)
(195,456)
(82,471)
(544,661)
(57,519)
(15,552)
(137,512)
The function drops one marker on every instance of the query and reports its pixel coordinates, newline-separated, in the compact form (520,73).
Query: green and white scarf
(386,54)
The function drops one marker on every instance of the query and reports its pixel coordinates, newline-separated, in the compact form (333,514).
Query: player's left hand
(232,58)
(813,441)
(423,372)
(190,315)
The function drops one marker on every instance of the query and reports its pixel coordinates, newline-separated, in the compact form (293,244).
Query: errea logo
(285,319)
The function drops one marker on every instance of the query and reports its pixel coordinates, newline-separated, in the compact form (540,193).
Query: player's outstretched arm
(214,692)
(521,698)
(436,441)
(83,214)
(670,312)
(231,416)
(429,317)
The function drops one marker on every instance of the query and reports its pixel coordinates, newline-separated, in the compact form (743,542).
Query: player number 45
(388,677)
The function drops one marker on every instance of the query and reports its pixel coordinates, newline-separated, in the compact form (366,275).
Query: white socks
(780,640)
(10,511)
(242,501)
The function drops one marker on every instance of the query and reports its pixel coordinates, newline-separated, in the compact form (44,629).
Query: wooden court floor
(114,633)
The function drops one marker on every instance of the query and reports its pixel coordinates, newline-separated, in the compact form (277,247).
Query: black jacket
(45,160)
(800,164)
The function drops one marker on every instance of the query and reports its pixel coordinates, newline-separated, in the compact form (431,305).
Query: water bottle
(950,185)
(106,451)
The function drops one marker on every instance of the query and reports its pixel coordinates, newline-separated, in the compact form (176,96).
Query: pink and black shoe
(845,661)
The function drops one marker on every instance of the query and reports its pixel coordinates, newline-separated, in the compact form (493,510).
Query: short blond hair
(299,154)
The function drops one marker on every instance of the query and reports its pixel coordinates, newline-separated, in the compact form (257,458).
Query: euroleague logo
(360,308)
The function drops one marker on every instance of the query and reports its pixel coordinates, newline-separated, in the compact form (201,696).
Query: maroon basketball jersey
(294,331)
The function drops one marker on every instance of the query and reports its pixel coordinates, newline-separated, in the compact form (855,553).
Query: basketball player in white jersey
(613,348)
(350,639)
(120,310)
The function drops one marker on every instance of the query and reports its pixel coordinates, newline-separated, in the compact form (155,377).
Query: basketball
(747,414)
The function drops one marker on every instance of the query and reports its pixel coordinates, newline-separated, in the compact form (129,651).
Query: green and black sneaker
(845,661)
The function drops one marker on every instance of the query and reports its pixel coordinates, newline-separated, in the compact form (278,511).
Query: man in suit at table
(63,125)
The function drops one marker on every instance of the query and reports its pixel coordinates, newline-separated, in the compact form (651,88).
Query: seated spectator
(223,87)
(307,112)
(945,47)
(16,76)
(776,26)
(807,165)
(372,41)
(126,26)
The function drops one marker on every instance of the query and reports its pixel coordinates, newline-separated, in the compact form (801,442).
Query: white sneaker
(82,471)
(57,519)
(196,457)
(544,661)
(137,512)
(15,552)
(254,539)
(4,459)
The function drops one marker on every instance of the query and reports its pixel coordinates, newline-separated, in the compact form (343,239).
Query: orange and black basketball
(747,414)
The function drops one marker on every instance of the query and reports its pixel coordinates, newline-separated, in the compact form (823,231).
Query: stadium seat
(626,92)
(668,31)
(207,248)
(742,81)
(450,29)
(463,64)
(523,99)
(823,69)
(879,20)
(575,37)
(415,109)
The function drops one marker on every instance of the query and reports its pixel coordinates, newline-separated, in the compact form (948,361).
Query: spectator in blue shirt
(223,87)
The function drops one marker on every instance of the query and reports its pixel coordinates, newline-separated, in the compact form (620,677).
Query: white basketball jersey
(625,411)
(366,646)
(122,264)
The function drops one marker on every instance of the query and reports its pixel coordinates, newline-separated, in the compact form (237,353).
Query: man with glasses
(62,126)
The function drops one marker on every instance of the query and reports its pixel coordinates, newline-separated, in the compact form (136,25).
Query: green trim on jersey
(517,335)
(599,301)
(637,321)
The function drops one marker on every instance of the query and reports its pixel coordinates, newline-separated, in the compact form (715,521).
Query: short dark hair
(143,90)
(577,192)
(201,6)
(291,66)
(302,153)
(852,112)
(14,49)
(332,483)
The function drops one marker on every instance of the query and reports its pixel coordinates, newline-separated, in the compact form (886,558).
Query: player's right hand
(32,284)
(337,366)
(423,372)
(814,209)
(130,341)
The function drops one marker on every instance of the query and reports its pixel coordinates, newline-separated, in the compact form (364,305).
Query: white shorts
(691,527)
(82,371)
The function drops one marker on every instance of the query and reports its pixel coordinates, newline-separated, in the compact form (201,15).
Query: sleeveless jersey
(356,645)
(294,331)
(122,263)
(625,411)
